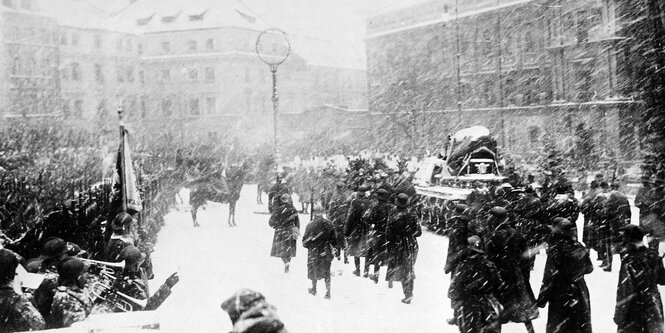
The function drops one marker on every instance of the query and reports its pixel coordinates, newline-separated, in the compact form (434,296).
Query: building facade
(28,61)
(529,70)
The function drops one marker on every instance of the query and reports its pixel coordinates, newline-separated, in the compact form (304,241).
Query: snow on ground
(216,260)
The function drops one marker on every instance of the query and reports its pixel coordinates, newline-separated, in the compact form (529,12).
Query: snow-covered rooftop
(77,14)
(322,33)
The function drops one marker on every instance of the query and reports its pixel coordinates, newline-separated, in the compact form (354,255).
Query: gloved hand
(172,280)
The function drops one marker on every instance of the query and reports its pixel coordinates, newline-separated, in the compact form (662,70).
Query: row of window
(191,46)
(125,44)
(16,4)
(31,67)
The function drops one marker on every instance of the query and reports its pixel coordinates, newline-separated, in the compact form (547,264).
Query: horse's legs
(194,209)
(259,192)
(232,213)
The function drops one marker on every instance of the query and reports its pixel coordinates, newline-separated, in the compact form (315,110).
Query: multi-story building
(98,64)
(526,69)
(28,61)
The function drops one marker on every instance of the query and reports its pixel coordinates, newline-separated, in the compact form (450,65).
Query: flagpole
(121,124)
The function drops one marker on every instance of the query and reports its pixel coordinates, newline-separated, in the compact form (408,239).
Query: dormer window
(198,17)
(170,19)
(145,20)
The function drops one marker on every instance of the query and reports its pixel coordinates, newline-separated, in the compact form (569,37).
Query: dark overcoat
(284,219)
(617,212)
(356,228)
(377,220)
(639,308)
(401,233)
(591,208)
(319,239)
(527,213)
(475,282)
(457,240)
(506,248)
(337,211)
(564,287)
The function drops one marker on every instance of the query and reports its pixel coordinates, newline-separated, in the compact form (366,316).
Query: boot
(286,267)
(356,272)
(390,284)
(311,291)
(407,300)
(327,296)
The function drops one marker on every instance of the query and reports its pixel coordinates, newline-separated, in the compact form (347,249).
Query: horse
(218,188)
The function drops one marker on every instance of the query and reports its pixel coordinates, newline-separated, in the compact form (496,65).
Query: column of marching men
(373,220)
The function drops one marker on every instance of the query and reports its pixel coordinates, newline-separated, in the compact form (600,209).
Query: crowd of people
(373,214)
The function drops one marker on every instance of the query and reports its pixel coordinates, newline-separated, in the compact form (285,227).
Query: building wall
(27,77)
(99,70)
(509,73)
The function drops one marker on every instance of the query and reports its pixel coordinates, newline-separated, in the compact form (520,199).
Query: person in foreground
(320,241)
(250,313)
(563,285)
(639,308)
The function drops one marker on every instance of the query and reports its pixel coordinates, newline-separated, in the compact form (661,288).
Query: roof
(322,33)
(150,16)
(77,14)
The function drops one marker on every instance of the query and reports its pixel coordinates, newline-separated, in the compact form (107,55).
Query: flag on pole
(131,198)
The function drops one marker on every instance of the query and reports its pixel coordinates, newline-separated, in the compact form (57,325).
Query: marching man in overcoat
(320,240)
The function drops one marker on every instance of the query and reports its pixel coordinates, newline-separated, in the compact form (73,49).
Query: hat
(473,241)
(317,209)
(240,302)
(562,225)
(121,221)
(498,211)
(71,269)
(285,198)
(363,188)
(54,247)
(632,233)
(382,193)
(131,255)
(8,264)
(402,199)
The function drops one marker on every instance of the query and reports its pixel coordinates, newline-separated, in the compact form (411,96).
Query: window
(99,73)
(167,107)
(118,44)
(192,45)
(166,47)
(248,102)
(98,41)
(210,44)
(130,74)
(119,72)
(16,68)
(75,39)
(63,38)
(46,67)
(211,105)
(101,107)
(166,75)
(65,107)
(534,134)
(210,74)
(247,76)
(194,106)
(44,36)
(26,4)
(8,3)
(143,106)
(78,108)
(140,49)
(30,68)
(193,74)
(76,72)
(141,77)
(64,74)
(128,45)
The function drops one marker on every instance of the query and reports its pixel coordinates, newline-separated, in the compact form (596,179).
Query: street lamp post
(273,48)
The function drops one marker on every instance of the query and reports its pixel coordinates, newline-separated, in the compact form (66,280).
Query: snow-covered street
(216,260)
